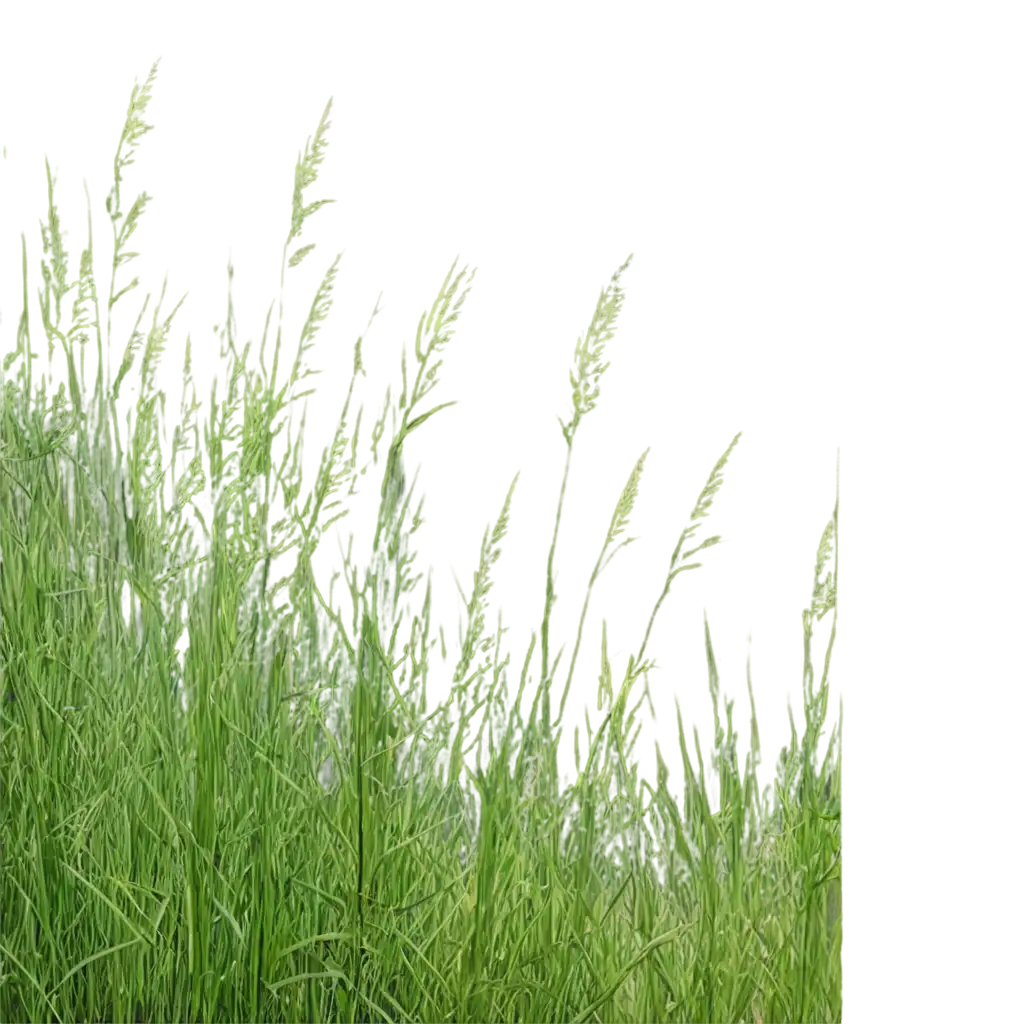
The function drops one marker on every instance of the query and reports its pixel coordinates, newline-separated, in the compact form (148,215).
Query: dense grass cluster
(259,830)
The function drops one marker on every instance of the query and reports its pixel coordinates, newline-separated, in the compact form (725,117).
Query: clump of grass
(170,851)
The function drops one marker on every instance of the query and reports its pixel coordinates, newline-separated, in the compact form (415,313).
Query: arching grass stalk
(591,358)
(693,541)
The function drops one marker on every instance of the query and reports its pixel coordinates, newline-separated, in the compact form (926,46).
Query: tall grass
(259,830)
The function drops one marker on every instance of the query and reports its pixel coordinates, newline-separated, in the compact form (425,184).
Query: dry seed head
(434,332)
(342,464)
(312,160)
(483,577)
(87,288)
(823,594)
(443,309)
(626,498)
(324,305)
(494,538)
(821,600)
(85,309)
(187,342)
(592,351)
(54,249)
(312,157)
(137,121)
(689,545)
(711,494)
(148,333)
(825,551)
(160,331)
(145,201)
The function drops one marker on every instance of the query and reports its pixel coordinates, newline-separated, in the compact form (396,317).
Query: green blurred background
(828,214)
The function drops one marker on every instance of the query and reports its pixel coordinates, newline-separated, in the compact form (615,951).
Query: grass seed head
(592,353)
(492,549)
(712,493)
(311,162)
(55,257)
(138,121)
(823,592)
(693,542)
(627,498)
(432,335)
(324,305)
(494,542)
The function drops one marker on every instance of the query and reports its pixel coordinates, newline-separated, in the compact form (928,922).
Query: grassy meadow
(224,796)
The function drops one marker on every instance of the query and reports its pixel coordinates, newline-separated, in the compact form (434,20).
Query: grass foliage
(272,826)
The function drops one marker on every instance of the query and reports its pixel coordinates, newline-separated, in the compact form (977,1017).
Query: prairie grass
(259,829)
